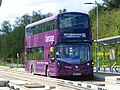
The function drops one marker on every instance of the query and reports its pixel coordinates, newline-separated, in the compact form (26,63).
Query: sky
(11,9)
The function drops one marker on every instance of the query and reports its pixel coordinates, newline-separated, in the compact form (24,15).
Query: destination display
(74,35)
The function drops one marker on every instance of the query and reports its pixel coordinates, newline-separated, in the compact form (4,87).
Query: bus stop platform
(101,74)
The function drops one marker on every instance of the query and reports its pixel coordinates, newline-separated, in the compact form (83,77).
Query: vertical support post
(110,66)
(110,63)
(0,2)
(96,50)
(97,21)
(116,53)
(96,57)
(96,35)
(104,57)
(17,59)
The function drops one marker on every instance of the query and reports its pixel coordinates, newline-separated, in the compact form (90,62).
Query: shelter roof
(109,41)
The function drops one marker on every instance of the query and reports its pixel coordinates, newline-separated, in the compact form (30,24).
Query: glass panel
(36,30)
(36,53)
(46,26)
(74,54)
(78,21)
(29,31)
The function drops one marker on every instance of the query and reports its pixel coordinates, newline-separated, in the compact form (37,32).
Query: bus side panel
(29,64)
(46,41)
(42,64)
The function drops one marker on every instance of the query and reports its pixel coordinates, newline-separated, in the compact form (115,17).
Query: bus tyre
(47,72)
(32,70)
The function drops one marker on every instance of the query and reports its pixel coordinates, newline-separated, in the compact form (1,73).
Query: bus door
(52,64)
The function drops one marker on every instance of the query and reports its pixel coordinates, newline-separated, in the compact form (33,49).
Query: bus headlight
(58,64)
(92,63)
(88,64)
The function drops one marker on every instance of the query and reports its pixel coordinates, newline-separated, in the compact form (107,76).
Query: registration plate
(76,73)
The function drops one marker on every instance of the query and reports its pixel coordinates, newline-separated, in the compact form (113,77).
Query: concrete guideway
(23,81)
(20,80)
(108,85)
(25,85)
(4,84)
(26,81)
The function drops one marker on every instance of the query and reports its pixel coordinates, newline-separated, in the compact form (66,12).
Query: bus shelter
(107,54)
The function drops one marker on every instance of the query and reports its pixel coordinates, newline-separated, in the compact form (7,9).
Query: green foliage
(112,4)
(16,66)
(109,24)
(62,10)
(2,62)
(6,27)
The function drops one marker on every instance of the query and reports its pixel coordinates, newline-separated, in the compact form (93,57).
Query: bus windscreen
(73,54)
(74,21)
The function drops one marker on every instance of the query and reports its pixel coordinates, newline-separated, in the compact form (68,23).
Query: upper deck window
(46,26)
(74,21)
(29,31)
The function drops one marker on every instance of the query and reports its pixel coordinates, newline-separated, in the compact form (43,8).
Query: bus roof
(41,21)
(48,19)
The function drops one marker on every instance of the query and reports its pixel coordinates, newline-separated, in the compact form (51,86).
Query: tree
(5,38)
(23,21)
(112,4)
(36,16)
(62,10)
(12,38)
(6,27)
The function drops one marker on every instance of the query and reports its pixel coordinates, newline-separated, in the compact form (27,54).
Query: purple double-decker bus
(60,45)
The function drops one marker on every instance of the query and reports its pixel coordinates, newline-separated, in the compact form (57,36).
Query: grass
(2,63)
(107,62)
(16,66)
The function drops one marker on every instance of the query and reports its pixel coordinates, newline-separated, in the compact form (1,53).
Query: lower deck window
(36,53)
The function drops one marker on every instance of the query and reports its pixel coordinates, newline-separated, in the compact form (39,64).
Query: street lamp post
(0,2)
(96,17)
(97,63)
(96,21)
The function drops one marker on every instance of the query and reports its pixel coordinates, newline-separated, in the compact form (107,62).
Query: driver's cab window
(61,52)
